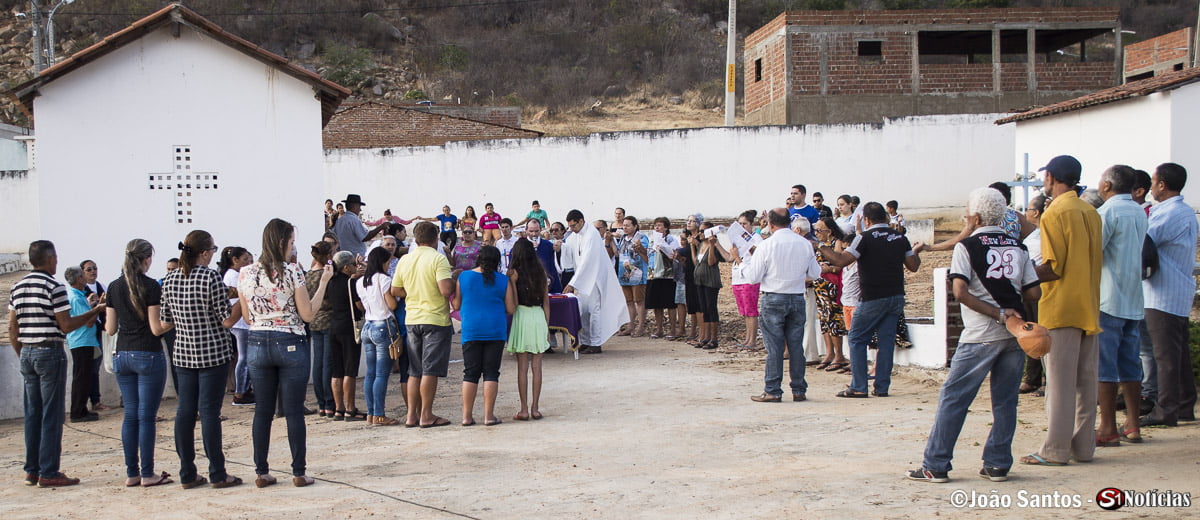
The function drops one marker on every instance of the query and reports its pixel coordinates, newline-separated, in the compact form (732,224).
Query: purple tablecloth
(564,316)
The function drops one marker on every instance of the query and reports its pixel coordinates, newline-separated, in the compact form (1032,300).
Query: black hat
(353,198)
(1064,168)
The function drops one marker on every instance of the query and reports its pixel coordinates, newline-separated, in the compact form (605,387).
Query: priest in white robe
(601,303)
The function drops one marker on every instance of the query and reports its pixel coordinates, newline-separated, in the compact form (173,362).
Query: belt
(44,344)
(782,293)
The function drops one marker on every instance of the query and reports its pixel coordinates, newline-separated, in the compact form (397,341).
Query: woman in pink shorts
(746,294)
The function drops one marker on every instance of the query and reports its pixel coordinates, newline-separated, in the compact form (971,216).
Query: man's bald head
(778,219)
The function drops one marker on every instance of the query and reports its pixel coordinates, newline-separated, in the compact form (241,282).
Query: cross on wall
(183,182)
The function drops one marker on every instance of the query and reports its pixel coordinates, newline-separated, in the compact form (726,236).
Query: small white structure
(170,125)
(1141,124)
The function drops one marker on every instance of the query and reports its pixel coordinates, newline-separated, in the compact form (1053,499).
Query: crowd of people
(261,328)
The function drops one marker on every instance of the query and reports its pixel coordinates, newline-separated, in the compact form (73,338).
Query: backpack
(1149,258)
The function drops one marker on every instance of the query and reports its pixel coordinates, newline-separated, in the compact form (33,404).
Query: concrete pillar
(823,50)
(1031,67)
(997,90)
(916,71)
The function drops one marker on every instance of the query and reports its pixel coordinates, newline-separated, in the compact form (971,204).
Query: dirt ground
(649,429)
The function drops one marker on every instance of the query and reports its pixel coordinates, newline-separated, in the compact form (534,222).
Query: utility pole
(35,19)
(50,31)
(731,67)
(1196,44)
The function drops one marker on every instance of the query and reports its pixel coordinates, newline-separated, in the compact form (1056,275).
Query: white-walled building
(170,125)
(1141,124)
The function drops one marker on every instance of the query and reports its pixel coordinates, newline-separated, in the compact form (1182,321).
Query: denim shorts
(1120,347)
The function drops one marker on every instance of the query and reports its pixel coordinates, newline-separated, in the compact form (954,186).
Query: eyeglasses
(213,249)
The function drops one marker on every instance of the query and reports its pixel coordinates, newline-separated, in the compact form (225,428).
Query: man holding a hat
(1070,308)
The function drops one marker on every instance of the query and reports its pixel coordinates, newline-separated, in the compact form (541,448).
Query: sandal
(835,367)
(819,366)
(163,478)
(229,481)
(355,415)
(339,415)
(520,417)
(1026,388)
(710,345)
(1034,459)
(381,420)
(850,393)
(200,481)
(1136,438)
(493,423)
(669,337)
(1113,441)
(846,370)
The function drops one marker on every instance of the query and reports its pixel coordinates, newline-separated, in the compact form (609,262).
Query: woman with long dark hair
(530,335)
(275,301)
(484,299)
(828,289)
(318,330)
(380,329)
(233,259)
(707,252)
(134,305)
(196,300)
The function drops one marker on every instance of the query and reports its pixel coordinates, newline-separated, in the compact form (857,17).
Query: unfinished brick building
(862,66)
(1156,56)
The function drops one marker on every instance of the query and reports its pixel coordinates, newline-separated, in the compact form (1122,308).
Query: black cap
(1064,168)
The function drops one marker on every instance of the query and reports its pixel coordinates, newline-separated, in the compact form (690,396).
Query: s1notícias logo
(1110,499)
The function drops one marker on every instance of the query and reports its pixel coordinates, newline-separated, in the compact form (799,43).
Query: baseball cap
(1064,168)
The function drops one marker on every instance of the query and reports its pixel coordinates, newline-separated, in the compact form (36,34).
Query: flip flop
(1034,459)
(163,478)
(834,367)
(493,423)
(537,416)
(133,481)
(1128,438)
(440,421)
(850,393)
(472,423)
(229,481)
(519,417)
(1108,442)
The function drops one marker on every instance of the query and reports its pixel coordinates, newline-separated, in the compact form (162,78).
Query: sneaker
(925,475)
(994,474)
(247,399)
(59,481)
(31,479)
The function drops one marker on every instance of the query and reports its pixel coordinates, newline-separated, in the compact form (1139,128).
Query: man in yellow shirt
(1070,308)
(423,279)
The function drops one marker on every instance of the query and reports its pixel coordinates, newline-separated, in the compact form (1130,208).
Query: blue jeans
(376,336)
(322,373)
(972,362)
(1149,366)
(241,371)
(45,372)
(141,377)
(200,390)
(279,366)
(880,315)
(782,323)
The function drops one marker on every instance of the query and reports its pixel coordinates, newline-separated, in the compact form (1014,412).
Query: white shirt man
(601,302)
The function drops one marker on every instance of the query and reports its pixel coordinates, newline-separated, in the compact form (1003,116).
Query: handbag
(396,347)
(358,324)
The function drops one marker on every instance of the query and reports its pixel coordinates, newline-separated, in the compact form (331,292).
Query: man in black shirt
(882,254)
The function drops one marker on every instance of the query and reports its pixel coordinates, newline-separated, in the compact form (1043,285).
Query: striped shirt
(1173,229)
(197,305)
(36,298)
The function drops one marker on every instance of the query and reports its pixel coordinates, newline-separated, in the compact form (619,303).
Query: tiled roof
(377,125)
(1168,81)
(330,93)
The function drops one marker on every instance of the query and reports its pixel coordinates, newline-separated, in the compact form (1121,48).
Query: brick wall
(954,16)
(1075,76)
(773,84)
(1166,49)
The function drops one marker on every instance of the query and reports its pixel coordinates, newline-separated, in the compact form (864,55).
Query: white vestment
(601,303)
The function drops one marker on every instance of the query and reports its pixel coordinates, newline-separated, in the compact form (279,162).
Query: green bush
(453,57)
(346,65)
(416,95)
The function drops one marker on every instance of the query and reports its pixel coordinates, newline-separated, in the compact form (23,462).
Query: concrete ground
(649,429)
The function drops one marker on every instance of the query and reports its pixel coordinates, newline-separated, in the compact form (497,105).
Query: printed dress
(829,306)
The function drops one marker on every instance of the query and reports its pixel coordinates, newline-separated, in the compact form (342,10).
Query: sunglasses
(90,269)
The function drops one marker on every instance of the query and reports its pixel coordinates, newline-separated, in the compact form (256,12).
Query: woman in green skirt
(530,333)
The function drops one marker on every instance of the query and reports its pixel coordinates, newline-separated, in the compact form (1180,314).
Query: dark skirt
(660,294)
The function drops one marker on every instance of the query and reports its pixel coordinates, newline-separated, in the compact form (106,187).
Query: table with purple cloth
(564,317)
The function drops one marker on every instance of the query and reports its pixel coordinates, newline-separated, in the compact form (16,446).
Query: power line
(489,3)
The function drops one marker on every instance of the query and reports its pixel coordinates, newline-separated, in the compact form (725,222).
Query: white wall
(102,129)
(18,197)
(929,161)
(1141,132)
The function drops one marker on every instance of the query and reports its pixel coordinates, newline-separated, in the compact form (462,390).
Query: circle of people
(392,304)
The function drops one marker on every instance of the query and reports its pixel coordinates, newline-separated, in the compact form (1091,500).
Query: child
(530,334)
(895,220)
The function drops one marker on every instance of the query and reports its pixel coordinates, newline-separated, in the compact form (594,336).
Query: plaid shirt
(197,305)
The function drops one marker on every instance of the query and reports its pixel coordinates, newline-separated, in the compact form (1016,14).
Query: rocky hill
(555,58)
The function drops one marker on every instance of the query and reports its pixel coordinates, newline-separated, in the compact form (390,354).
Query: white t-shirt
(850,288)
(231,280)
(374,306)
(506,246)
(1033,243)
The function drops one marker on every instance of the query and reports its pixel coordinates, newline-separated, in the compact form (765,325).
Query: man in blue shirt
(799,208)
(1121,308)
(82,343)
(1169,295)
